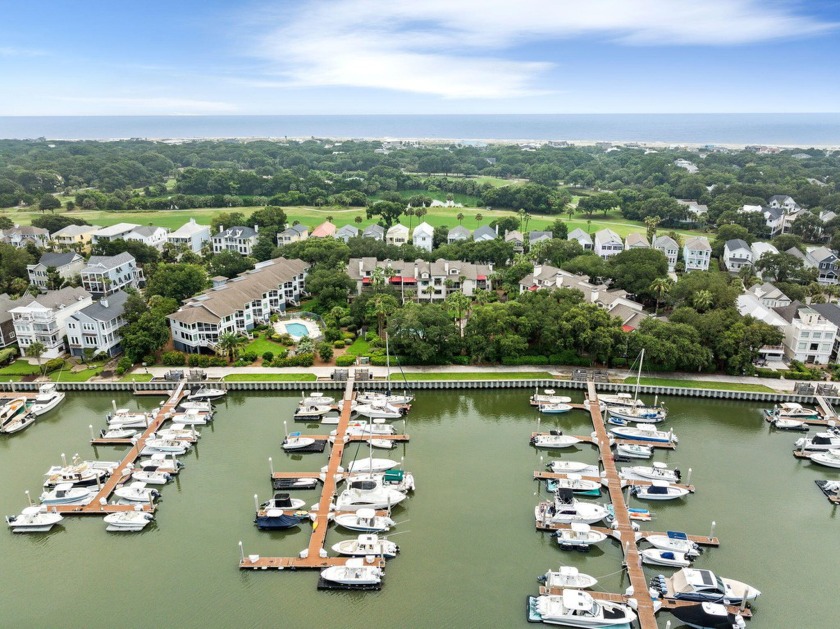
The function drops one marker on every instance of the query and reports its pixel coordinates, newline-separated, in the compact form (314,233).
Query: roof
(238,232)
(374,230)
(768,291)
(215,304)
(323,230)
(116,230)
(26,230)
(424,228)
(147,230)
(578,234)
(737,243)
(485,232)
(348,229)
(760,248)
(357,268)
(399,228)
(58,259)
(188,229)
(101,312)
(821,253)
(607,236)
(789,313)
(513,235)
(54,298)
(830,312)
(76,230)
(796,253)
(665,242)
(6,304)
(637,240)
(698,243)
(772,212)
(780,198)
(99,263)
(536,236)
(459,232)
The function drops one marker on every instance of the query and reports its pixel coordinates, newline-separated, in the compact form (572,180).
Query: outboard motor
(677,474)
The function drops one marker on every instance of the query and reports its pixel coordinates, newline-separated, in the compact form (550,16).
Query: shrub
(150,359)
(460,360)
(248,357)
(301,360)
(7,355)
(54,364)
(268,357)
(767,373)
(332,334)
(349,336)
(123,365)
(569,357)
(325,351)
(525,360)
(372,337)
(283,339)
(173,359)
(347,360)
(241,363)
(338,344)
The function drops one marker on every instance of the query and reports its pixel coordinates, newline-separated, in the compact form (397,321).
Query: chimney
(104,303)
(221,228)
(257,228)
(497,230)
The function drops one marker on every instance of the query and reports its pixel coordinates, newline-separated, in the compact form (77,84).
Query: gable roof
(513,235)
(767,291)
(350,230)
(737,243)
(116,230)
(424,228)
(146,230)
(188,229)
(237,231)
(536,236)
(578,234)
(100,312)
(665,242)
(637,240)
(58,259)
(99,263)
(830,312)
(698,243)
(323,230)
(6,304)
(54,298)
(76,230)
(460,231)
(607,237)
(820,254)
(485,231)
(398,228)
(26,230)
(374,230)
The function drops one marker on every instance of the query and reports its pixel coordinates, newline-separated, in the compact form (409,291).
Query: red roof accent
(480,278)
(627,328)
(365,280)
(403,280)
(534,287)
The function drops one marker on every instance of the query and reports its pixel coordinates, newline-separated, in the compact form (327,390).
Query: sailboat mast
(638,377)
(387,366)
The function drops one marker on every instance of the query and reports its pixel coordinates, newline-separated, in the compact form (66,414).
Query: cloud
(148,105)
(473,49)
(13,51)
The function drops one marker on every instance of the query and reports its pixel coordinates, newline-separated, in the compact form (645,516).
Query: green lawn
(74,376)
(701,384)
(18,368)
(360,347)
(270,377)
(478,375)
(261,345)
(137,377)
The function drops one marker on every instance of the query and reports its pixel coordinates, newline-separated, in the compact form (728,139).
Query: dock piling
(712,530)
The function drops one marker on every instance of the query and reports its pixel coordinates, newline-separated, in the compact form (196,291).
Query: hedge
(461,360)
(174,359)
(524,360)
(301,360)
(569,357)
(7,355)
(347,360)
(202,360)
(767,373)
(54,364)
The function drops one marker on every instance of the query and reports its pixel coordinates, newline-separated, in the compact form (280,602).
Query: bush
(7,355)
(54,364)
(525,360)
(202,360)
(332,334)
(767,373)
(150,359)
(173,359)
(347,360)
(372,338)
(248,357)
(569,357)
(268,357)
(338,344)
(460,360)
(349,336)
(283,339)
(325,351)
(123,365)
(241,363)
(301,360)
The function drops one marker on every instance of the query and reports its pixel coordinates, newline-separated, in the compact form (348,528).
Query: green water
(470,554)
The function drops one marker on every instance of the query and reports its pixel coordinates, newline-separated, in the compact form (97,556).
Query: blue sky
(64,57)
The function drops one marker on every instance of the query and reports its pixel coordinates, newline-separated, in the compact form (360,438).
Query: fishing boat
(79,473)
(828,458)
(576,608)
(207,393)
(277,519)
(19,422)
(118,433)
(658,471)
(365,545)
(316,398)
(371,465)
(33,519)
(136,492)
(364,520)
(312,412)
(787,423)
(566,509)
(160,462)
(164,446)
(178,432)
(354,572)
(548,397)
(675,541)
(793,410)
(128,521)
(644,432)
(634,451)
(151,477)
(659,490)
(367,428)
(192,417)
(554,440)
(554,409)
(67,494)
(124,418)
(382,444)
(567,577)
(295,441)
(670,558)
(284,502)
(380,410)
(368,493)
(708,616)
(47,399)
(693,584)
(573,467)
(203,406)
(820,441)
(576,483)
(11,409)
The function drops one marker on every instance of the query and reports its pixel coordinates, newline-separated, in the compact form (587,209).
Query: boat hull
(40,408)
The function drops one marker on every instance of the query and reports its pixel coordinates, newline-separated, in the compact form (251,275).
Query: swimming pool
(297,330)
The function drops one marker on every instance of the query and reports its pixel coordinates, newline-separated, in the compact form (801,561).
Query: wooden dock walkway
(123,470)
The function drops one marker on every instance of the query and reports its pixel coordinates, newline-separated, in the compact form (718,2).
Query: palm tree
(420,212)
(459,217)
(382,307)
(570,211)
(36,350)
(229,343)
(589,226)
(702,300)
(479,218)
(458,304)
(409,212)
(329,218)
(652,222)
(661,286)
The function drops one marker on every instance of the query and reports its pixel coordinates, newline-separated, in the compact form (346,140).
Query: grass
(270,377)
(18,368)
(466,200)
(75,376)
(137,377)
(478,375)
(261,345)
(701,384)
(360,347)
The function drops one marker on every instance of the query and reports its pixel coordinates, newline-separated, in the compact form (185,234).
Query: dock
(626,482)
(594,441)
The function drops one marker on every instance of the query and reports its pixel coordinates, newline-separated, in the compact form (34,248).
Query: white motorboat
(295,441)
(794,410)
(548,397)
(151,478)
(160,462)
(693,584)
(670,558)
(395,479)
(312,411)
(124,418)
(206,393)
(674,541)
(618,399)
(203,406)
(380,410)
(47,399)
(568,577)
(371,465)
(368,493)
(366,397)
(638,414)
(316,398)
(566,509)
(136,492)
(19,422)
(178,432)
(577,484)
(554,409)
(829,458)
(658,471)
(659,490)
(33,520)
(576,608)
(366,428)
(11,409)
(573,467)
(366,545)
(67,494)
(787,423)
(364,520)
(708,616)
(128,521)
(192,417)
(283,502)
(354,572)
(555,440)
(382,444)
(644,432)
(80,473)
(578,536)
(118,433)
(634,450)
(820,441)
(164,446)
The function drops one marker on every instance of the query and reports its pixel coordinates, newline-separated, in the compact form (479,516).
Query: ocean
(801,130)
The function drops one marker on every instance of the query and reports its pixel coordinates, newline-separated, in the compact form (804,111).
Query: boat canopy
(366,514)
(580,527)
(677,535)
(577,600)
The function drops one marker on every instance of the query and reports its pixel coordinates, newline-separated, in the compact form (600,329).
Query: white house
(485,233)
(582,237)
(149,235)
(809,337)
(19,236)
(114,232)
(97,327)
(68,266)
(397,235)
(670,248)
(759,249)
(238,304)
(7,326)
(784,202)
(105,275)
(607,243)
(774,217)
(239,239)
(697,253)
(43,318)
(190,235)
(825,261)
(736,255)
(458,234)
(769,296)
(423,236)
(377,232)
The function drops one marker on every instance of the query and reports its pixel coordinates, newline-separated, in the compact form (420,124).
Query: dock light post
(712,531)
(688,479)
(28,497)
(90,427)
(256,503)
(241,552)
(63,460)
(271,466)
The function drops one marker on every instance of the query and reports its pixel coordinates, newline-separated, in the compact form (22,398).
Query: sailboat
(637,412)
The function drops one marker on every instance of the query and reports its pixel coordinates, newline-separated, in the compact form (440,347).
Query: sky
(214,57)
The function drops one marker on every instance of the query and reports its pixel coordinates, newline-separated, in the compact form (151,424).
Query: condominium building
(97,327)
(105,275)
(43,318)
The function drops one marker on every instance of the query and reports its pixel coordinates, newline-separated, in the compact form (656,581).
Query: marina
(721,439)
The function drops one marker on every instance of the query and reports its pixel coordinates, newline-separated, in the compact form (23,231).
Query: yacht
(644,432)
(658,471)
(365,545)
(567,577)
(128,521)
(10,410)
(708,616)
(692,584)
(80,473)
(19,422)
(136,492)
(33,520)
(566,509)
(118,433)
(659,490)
(206,393)
(364,520)
(554,440)
(548,397)
(820,441)
(47,399)
(67,494)
(576,608)
(369,493)
(792,410)
(160,462)
(578,537)
(354,572)
(395,479)
(202,406)
(178,432)
(638,414)
(829,458)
